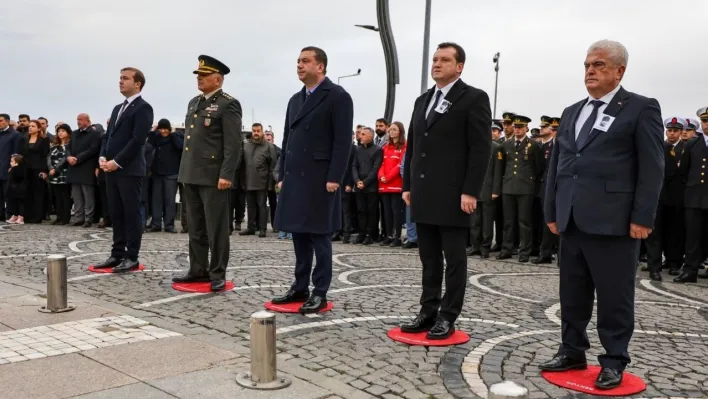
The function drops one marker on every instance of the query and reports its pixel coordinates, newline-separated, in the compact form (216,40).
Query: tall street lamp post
(496,81)
(358,72)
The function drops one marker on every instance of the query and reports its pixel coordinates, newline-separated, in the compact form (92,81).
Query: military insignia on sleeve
(227,96)
(499,155)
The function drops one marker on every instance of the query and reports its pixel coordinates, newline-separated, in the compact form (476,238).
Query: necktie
(122,109)
(587,126)
(438,95)
(518,145)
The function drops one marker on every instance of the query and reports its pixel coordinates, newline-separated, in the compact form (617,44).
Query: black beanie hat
(164,124)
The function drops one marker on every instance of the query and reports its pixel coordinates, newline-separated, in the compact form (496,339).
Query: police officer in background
(212,147)
(523,168)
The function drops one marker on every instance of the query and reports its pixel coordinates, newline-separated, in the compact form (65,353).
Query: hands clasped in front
(107,166)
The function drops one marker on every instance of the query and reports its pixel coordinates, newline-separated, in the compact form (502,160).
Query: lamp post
(358,72)
(426,48)
(496,81)
(390,54)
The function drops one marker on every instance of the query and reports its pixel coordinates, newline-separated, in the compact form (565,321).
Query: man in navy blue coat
(316,146)
(603,187)
(123,160)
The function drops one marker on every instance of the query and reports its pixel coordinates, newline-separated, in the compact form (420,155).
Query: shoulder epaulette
(227,95)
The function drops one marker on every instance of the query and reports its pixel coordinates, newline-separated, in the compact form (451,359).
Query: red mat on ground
(200,287)
(110,269)
(584,381)
(419,339)
(294,307)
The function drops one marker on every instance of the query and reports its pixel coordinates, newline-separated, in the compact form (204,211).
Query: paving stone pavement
(511,314)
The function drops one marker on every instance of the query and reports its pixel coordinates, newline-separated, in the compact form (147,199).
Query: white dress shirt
(587,109)
(444,91)
(208,95)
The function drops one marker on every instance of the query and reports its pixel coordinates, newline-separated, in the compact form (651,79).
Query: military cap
(496,125)
(544,121)
(508,116)
(691,124)
(673,123)
(498,121)
(535,132)
(520,120)
(209,65)
(554,122)
(702,113)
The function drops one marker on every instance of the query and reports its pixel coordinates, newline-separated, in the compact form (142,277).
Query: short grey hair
(618,53)
(371,131)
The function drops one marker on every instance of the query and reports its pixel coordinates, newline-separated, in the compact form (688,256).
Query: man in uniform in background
(508,130)
(523,165)
(212,146)
(548,239)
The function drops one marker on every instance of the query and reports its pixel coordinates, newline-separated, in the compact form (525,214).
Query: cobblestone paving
(511,312)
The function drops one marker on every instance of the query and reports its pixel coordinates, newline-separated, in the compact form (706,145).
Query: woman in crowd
(35,152)
(16,189)
(391,183)
(57,165)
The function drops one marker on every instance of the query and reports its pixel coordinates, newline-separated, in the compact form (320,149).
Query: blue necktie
(587,126)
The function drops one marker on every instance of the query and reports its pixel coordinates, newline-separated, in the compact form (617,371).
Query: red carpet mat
(584,381)
(200,287)
(294,307)
(91,268)
(419,339)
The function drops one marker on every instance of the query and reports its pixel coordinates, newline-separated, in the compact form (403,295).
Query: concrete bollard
(508,390)
(57,295)
(263,373)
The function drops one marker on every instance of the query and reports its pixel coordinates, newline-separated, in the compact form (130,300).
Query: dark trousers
(124,204)
(16,206)
(536,225)
(380,220)
(548,240)
(393,214)
(105,213)
(433,242)
(499,221)
(348,208)
(518,214)
(207,213)
(608,264)
(3,199)
(237,209)
(61,194)
(34,202)
(257,209)
(306,245)
(696,231)
(368,207)
(183,207)
(655,241)
(273,204)
(482,230)
(164,190)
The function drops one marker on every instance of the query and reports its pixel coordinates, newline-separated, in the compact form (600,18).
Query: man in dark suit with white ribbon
(123,161)
(449,145)
(602,192)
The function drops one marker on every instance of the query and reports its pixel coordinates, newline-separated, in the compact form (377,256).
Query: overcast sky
(62,57)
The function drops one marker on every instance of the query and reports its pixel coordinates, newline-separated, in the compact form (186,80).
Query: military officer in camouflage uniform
(212,147)
(523,168)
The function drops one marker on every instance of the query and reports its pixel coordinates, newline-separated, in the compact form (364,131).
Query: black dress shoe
(360,239)
(368,241)
(523,258)
(126,266)
(396,242)
(173,231)
(77,224)
(110,262)
(290,297)
(410,245)
(247,232)
(262,234)
(441,330)
(218,285)
(542,260)
(504,255)
(153,229)
(655,276)
(608,378)
(337,237)
(496,248)
(563,363)
(190,279)
(484,254)
(421,323)
(313,305)
(346,239)
(687,277)
(674,271)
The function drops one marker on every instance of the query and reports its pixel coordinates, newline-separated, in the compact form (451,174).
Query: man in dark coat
(212,147)
(449,145)
(10,143)
(602,192)
(123,159)
(259,161)
(82,156)
(316,145)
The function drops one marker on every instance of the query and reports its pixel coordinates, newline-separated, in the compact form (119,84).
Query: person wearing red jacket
(391,183)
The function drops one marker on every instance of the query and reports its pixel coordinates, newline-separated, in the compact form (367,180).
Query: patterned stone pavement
(511,314)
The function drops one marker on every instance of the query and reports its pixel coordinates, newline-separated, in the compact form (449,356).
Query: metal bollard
(508,390)
(57,300)
(263,373)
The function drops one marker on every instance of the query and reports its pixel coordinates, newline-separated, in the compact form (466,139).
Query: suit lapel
(618,102)
(420,113)
(316,97)
(128,110)
(455,92)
